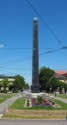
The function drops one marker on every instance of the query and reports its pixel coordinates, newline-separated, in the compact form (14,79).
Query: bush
(3,91)
(15,90)
(40,100)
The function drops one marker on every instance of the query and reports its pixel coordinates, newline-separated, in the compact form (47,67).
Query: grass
(18,111)
(60,95)
(19,105)
(63,105)
(36,114)
(41,117)
(4,97)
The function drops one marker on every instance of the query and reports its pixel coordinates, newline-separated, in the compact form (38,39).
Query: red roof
(61,72)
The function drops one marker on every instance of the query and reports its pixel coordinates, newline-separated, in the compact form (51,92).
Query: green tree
(5,83)
(0,86)
(62,85)
(65,87)
(19,83)
(26,86)
(44,76)
(49,83)
(52,84)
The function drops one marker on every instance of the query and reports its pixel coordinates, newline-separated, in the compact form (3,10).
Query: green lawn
(63,105)
(60,95)
(17,110)
(19,105)
(4,97)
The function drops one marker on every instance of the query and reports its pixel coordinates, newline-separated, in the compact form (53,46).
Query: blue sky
(16,35)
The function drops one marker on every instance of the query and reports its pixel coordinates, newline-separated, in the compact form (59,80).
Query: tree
(52,84)
(0,86)
(19,83)
(26,86)
(65,88)
(44,76)
(5,83)
(48,81)
(62,86)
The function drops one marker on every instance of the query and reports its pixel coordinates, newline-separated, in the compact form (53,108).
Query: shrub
(40,99)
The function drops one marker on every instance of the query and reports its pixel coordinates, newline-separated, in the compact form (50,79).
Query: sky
(16,35)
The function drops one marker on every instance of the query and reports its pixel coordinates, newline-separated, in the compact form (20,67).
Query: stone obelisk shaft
(35,59)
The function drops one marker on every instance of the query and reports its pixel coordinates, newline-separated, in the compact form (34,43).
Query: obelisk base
(35,88)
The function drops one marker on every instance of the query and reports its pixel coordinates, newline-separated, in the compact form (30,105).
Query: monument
(35,88)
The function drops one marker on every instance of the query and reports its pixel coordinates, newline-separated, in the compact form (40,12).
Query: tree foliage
(26,86)
(44,76)
(5,83)
(19,83)
(48,82)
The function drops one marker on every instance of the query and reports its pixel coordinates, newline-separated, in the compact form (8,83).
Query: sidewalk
(5,105)
(60,99)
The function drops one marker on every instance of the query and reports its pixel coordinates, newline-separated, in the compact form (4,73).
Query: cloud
(1,45)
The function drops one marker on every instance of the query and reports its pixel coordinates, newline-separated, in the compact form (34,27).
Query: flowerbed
(42,102)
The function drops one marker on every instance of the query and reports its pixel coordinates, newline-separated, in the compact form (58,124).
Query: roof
(3,76)
(59,76)
(61,72)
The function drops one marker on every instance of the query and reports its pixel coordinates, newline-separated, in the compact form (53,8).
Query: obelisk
(35,88)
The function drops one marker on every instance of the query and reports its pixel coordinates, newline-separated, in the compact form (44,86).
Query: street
(32,122)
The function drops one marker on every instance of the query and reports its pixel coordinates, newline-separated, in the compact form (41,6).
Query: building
(61,75)
(10,79)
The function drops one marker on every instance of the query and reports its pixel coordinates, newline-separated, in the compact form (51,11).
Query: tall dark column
(35,60)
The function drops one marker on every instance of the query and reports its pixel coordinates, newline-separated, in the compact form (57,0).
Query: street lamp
(50,89)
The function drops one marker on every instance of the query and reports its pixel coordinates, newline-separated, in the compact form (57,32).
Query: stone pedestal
(35,88)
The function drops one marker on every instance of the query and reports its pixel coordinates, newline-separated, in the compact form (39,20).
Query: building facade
(10,80)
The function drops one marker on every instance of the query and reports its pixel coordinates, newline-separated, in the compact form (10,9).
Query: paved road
(32,122)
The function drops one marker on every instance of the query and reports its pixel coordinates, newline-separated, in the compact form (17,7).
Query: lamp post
(55,92)
(50,89)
